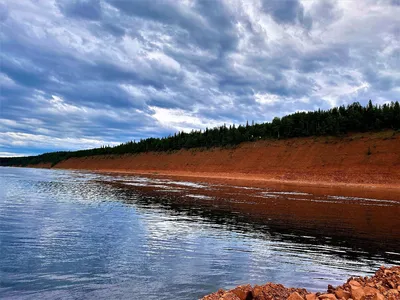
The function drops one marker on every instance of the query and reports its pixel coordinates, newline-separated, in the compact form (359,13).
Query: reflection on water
(81,235)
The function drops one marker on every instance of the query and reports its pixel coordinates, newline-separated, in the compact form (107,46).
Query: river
(82,235)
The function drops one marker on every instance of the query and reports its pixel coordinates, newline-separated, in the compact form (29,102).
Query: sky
(77,74)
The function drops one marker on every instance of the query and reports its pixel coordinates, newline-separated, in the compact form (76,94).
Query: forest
(337,121)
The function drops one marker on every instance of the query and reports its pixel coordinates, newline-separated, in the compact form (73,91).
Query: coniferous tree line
(336,121)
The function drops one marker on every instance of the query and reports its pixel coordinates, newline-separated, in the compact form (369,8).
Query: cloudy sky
(84,73)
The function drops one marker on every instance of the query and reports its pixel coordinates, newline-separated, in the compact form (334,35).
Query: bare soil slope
(372,158)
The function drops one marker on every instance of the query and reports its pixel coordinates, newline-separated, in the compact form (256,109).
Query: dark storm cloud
(314,61)
(207,25)
(287,11)
(85,9)
(325,11)
(83,73)
(3,12)
(114,29)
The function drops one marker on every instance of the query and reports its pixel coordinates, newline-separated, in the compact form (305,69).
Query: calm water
(76,235)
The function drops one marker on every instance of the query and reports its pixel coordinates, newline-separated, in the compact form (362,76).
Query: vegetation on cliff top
(336,121)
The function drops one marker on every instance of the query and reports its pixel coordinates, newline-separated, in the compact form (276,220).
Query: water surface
(79,235)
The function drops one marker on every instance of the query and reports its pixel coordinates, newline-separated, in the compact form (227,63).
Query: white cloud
(266,98)
(6,81)
(13,154)
(126,73)
(180,120)
(36,140)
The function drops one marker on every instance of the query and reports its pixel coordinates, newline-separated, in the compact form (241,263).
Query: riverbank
(385,284)
(370,158)
(356,165)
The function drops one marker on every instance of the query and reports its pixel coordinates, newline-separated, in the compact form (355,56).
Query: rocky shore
(385,284)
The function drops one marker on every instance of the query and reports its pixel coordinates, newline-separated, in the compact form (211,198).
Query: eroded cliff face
(362,158)
(385,284)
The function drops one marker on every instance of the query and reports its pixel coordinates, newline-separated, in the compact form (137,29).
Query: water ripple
(69,235)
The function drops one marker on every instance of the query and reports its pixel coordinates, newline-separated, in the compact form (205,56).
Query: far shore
(368,190)
(359,165)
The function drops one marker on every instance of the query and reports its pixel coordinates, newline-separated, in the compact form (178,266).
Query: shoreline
(384,284)
(378,191)
(325,164)
(352,189)
(340,165)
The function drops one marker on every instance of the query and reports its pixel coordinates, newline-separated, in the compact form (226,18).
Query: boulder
(229,296)
(312,296)
(340,293)
(393,291)
(370,291)
(354,283)
(257,291)
(382,289)
(357,293)
(295,296)
(244,292)
(327,297)
(378,296)
(214,296)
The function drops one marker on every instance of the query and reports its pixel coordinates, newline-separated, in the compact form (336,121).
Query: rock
(370,291)
(383,285)
(378,296)
(391,283)
(244,292)
(357,292)
(229,296)
(328,297)
(340,293)
(312,296)
(382,289)
(387,272)
(295,296)
(354,283)
(214,296)
(257,291)
(211,297)
(393,292)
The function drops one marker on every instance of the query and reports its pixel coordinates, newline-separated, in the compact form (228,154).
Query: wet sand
(368,190)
